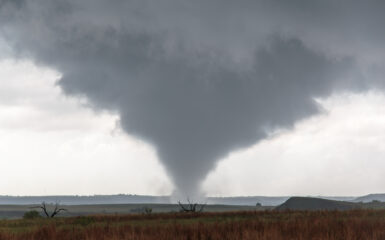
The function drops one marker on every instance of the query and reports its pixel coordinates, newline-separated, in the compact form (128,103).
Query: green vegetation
(31,215)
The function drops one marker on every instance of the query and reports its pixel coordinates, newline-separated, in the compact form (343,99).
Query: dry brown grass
(272,225)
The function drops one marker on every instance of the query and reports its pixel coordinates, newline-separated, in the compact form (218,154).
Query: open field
(17,211)
(272,225)
(294,203)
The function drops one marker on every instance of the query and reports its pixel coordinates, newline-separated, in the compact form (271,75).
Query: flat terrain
(272,225)
(138,199)
(17,211)
(294,203)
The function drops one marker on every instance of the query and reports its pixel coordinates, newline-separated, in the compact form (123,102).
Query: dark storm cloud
(199,79)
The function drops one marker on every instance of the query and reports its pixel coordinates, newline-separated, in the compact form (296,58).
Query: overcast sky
(53,144)
(153,97)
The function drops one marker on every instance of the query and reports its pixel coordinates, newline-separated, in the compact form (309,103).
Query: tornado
(200,79)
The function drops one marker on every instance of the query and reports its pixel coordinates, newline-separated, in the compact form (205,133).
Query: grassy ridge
(273,225)
(308,203)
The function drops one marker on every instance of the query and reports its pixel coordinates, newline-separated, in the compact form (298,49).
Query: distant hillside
(248,201)
(84,200)
(347,199)
(371,197)
(147,199)
(307,203)
(135,199)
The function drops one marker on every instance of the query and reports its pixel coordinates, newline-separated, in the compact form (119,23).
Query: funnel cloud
(200,79)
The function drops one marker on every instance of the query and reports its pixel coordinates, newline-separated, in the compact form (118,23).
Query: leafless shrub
(55,212)
(191,207)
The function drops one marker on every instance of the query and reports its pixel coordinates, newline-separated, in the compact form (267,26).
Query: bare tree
(191,207)
(56,210)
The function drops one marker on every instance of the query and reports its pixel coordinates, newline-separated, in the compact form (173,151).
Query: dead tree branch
(191,207)
(56,211)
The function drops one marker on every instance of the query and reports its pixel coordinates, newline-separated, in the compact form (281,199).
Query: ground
(268,224)
(17,211)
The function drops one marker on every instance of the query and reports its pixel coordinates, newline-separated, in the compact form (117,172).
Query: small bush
(31,215)
(147,210)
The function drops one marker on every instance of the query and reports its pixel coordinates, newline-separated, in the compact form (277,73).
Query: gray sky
(151,97)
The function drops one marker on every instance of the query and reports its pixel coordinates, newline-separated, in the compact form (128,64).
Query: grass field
(272,225)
